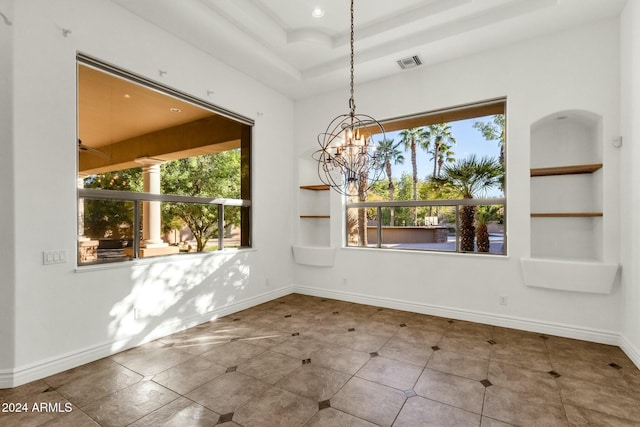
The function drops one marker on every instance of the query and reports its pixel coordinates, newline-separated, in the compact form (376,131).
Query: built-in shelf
(566,214)
(316,256)
(315,216)
(320,187)
(570,275)
(566,170)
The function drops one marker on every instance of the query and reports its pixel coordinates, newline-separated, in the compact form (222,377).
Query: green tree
(391,154)
(107,218)
(468,178)
(210,175)
(493,131)
(412,138)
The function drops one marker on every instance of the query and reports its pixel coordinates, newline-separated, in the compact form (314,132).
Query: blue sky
(469,141)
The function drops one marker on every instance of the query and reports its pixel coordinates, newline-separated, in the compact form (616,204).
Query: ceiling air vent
(410,62)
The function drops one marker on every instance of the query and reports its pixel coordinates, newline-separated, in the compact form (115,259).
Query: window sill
(476,255)
(158,260)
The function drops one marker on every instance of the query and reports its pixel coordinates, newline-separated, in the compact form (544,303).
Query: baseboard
(630,350)
(45,368)
(550,328)
(63,362)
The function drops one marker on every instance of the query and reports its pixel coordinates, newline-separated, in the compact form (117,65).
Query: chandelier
(348,160)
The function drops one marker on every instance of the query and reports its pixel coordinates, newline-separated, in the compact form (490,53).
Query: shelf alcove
(313,245)
(567,205)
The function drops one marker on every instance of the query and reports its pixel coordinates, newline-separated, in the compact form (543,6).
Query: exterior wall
(66,316)
(575,69)
(630,177)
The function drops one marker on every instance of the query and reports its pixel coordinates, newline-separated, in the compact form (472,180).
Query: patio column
(151,221)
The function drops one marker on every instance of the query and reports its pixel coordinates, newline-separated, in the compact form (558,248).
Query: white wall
(7,256)
(577,69)
(630,182)
(65,317)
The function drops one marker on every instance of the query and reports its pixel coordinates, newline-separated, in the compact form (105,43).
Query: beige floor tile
(380,328)
(476,347)
(339,358)
(179,413)
(127,405)
(299,347)
(228,392)
(490,422)
(93,381)
(471,330)
(269,367)
(419,412)
(460,364)
(419,336)
(452,390)
(370,401)
(266,337)
(600,398)
(74,418)
(276,408)
(390,372)
(584,417)
(358,340)
(518,408)
(523,357)
(314,382)
(599,372)
(189,375)
(154,358)
(331,417)
(399,349)
(232,353)
(523,380)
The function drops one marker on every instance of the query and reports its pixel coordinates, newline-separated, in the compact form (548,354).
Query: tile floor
(306,361)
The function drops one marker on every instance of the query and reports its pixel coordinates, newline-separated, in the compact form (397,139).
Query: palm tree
(446,154)
(411,138)
(441,136)
(484,215)
(470,177)
(391,153)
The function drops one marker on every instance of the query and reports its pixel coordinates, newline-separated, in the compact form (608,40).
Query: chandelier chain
(352,102)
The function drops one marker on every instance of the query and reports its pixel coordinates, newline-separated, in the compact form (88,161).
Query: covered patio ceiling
(120,121)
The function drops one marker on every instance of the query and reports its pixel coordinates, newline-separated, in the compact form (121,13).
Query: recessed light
(317,12)
(175,110)
(126,95)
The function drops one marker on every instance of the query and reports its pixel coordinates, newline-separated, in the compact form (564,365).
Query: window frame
(139,197)
(484,108)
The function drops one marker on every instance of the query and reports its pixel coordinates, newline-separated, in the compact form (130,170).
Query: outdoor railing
(435,217)
(137,198)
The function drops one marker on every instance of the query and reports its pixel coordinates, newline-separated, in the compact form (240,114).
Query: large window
(159,173)
(444,184)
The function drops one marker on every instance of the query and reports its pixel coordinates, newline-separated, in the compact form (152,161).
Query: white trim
(630,350)
(557,329)
(56,364)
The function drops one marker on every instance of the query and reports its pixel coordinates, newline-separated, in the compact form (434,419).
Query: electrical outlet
(503,300)
(54,257)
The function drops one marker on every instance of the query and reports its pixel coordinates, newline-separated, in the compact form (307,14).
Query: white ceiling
(279,43)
